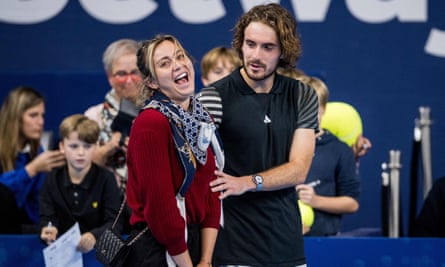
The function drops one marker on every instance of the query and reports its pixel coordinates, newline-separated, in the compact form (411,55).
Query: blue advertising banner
(26,250)
(386,58)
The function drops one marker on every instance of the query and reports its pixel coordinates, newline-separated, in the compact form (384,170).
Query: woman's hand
(45,162)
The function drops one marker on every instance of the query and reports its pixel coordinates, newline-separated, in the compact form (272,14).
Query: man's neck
(263,86)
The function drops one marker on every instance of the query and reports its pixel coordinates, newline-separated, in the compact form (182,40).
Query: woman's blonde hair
(16,103)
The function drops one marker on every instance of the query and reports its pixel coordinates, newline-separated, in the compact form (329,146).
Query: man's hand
(231,185)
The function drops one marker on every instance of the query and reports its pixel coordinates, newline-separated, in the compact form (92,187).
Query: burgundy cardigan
(155,176)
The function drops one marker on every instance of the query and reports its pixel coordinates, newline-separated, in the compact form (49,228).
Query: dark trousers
(148,252)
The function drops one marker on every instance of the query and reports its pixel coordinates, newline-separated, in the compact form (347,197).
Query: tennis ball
(307,214)
(343,121)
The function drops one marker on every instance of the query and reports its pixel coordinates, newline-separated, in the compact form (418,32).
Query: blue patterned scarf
(185,127)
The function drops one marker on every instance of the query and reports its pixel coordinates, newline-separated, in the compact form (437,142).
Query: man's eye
(250,44)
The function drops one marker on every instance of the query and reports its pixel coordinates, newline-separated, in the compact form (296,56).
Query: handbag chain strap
(138,236)
(117,219)
(120,212)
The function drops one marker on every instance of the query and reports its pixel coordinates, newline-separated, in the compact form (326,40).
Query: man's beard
(262,78)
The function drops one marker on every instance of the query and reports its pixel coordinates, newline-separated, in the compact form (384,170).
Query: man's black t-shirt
(260,228)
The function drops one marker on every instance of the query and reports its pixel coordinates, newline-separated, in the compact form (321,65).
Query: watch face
(258,179)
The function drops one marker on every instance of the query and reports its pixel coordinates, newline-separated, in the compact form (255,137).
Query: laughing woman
(170,164)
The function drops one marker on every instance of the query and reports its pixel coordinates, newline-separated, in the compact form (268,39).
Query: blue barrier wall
(387,58)
(26,251)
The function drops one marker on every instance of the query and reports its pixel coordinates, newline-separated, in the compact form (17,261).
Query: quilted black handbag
(111,249)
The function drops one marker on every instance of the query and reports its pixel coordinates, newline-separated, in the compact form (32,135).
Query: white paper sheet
(62,252)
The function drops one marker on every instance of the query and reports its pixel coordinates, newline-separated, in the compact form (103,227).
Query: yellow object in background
(343,121)
(307,214)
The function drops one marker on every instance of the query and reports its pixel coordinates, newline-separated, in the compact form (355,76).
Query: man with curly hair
(267,124)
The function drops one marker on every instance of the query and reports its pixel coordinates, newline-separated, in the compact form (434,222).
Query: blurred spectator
(294,73)
(123,75)
(340,118)
(218,63)
(333,167)
(81,191)
(23,163)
